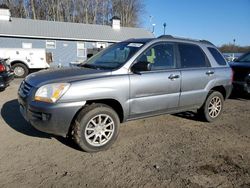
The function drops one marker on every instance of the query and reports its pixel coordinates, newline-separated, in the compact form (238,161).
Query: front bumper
(50,118)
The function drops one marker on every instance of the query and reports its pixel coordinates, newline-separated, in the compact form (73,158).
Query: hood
(63,75)
(235,64)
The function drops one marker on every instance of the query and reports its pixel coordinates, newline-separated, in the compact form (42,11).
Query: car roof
(172,39)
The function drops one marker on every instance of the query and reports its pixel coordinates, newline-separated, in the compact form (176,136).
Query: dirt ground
(164,151)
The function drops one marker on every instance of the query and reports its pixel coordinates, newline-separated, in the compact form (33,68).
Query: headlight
(51,92)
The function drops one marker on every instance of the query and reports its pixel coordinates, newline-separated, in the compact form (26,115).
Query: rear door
(196,73)
(157,90)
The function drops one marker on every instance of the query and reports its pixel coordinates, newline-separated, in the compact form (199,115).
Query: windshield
(244,58)
(113,57)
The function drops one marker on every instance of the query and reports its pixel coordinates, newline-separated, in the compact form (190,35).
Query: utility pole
(164,25)
(234,47)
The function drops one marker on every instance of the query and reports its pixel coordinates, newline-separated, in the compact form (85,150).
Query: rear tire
(96,128)
(212,107)
(20,70)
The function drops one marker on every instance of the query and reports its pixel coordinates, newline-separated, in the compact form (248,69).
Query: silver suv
(133,79)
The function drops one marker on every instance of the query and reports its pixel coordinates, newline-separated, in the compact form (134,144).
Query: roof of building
(28,28)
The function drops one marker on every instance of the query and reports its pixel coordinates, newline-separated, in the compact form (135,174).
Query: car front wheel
(96,128)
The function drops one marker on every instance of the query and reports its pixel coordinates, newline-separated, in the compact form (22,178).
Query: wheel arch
(220,89)
(20,62)
(114,104)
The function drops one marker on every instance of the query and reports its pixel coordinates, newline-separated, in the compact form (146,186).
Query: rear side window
(192,56)
(217,56)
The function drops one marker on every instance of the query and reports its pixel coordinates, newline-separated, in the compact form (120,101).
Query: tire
(209,111)
(20,70)
(92,136)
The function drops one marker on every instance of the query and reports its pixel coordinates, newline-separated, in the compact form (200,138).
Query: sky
(219,21)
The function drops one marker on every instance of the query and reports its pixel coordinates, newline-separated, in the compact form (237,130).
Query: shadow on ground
(189,115)
(239,96)
(12,116)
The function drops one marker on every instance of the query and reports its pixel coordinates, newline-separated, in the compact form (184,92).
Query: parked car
(133,79)
(6,74)
(24,61)
(241,69)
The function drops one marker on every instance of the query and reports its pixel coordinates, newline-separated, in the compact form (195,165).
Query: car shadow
(239,96)
(13,118)
(11,115)
(190,115)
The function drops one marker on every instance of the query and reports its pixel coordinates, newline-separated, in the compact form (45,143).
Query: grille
(25,89)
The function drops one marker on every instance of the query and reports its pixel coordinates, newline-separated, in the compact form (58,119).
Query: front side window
(161,56)
(192,56)
(114,56)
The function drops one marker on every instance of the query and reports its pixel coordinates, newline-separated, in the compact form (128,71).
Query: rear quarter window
(217,56)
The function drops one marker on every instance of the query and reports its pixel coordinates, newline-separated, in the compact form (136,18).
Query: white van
(23,61)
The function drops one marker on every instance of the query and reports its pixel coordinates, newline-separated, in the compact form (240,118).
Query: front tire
(212,107)
(20,70)
(96,128)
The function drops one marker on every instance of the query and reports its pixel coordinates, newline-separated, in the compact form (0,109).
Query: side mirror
(141,66)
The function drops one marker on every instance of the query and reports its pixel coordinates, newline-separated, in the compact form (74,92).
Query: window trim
(49,47)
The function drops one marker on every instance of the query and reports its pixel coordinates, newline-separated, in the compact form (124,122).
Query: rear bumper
(5,79)
(50,118)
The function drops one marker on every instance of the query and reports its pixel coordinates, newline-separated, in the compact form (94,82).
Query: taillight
(232,75)
(2,68)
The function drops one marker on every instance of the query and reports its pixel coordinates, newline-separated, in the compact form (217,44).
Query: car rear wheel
(96,128)
(212,107)
(20,70)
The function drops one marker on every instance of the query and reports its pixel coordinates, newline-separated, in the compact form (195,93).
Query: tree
(81,11)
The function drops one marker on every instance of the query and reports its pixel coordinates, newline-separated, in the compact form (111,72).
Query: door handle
(209,73)
(173,76)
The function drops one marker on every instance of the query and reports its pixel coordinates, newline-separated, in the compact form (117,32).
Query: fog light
(45,117)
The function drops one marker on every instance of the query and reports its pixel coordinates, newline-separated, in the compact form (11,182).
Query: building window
(50,44)
(26,45)
(81,50)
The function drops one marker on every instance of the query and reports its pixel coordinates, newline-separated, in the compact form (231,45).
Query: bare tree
(81,11)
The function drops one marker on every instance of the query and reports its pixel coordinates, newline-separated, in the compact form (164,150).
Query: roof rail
(166,36)
(206,41)
(186,39)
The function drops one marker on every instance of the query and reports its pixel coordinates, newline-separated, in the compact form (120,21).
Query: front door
(158,90)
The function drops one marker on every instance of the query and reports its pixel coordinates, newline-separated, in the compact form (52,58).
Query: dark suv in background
(133,79)
(241,69)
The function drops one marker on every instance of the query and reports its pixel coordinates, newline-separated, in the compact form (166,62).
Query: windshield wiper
(89,66)
(96,67)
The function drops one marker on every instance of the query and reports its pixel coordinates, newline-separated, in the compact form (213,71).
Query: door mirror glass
(141,66)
